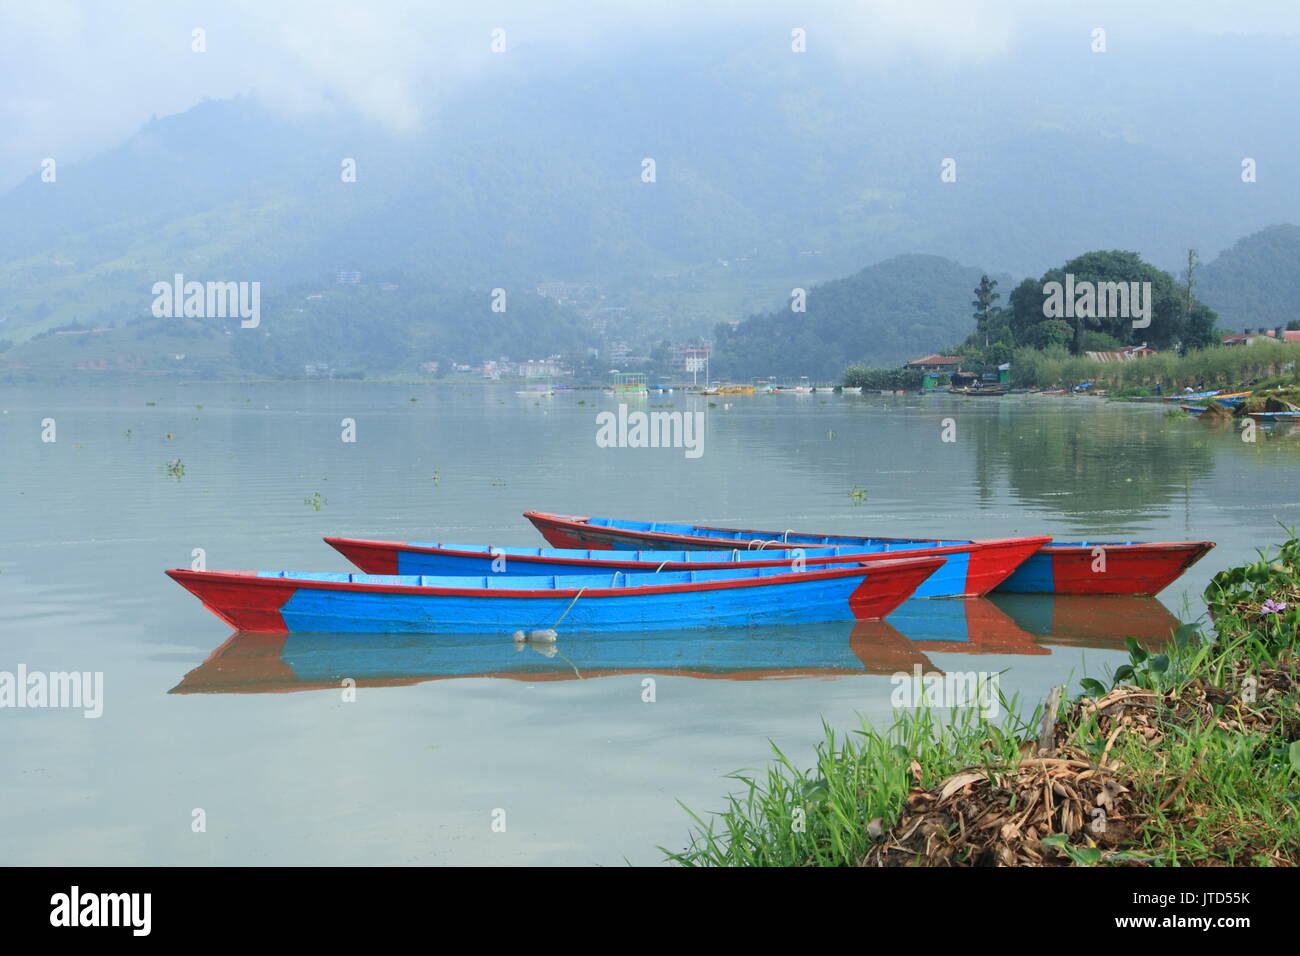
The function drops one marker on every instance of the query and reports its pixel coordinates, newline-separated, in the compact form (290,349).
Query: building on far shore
(1122,355)
(1248,336)
(936,370)
(496,369)
(540,368)
(690,358)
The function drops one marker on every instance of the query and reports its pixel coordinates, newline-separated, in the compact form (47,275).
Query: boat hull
(969,569)
(967,573)
(1105,568)
(276,602)
(1193,396)
(1049,568)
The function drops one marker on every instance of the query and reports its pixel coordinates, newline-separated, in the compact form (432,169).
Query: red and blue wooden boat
(1193,396)
(1228,401)
(970,568)
(1052,568)
(1105,567)
(279,601)
(1273,416)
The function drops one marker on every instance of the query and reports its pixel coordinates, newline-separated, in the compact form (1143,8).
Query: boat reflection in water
(1085,621)
(1020,624)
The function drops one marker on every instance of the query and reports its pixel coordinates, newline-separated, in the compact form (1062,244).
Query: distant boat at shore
(1271,416)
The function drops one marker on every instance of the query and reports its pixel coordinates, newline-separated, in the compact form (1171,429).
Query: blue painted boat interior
(738,535)
(656,558)
(549,582)
(947,581)
(1089,544)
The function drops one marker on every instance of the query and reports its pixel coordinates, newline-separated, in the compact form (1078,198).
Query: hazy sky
(81,76)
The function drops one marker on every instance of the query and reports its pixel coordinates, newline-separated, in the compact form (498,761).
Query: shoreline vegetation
(1261,365)
(1236,367)
(1190,757)
(1105,318)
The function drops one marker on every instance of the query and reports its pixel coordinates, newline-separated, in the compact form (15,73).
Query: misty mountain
(773,170)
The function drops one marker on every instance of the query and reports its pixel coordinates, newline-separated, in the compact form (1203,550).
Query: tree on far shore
(985,296)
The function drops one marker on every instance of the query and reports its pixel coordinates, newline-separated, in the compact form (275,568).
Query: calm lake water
(254,731)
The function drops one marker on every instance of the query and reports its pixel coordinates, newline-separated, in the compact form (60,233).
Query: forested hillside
(885,314)
(1255,282)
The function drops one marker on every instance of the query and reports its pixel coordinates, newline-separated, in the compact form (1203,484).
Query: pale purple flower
(1272,607)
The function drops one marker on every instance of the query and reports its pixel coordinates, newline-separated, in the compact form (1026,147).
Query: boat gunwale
(872,557)
(1203,547)
(1050,545)
(255,579)
(573,521)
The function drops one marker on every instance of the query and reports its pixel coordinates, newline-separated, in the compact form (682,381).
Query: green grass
(1211,761)
(787,816)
